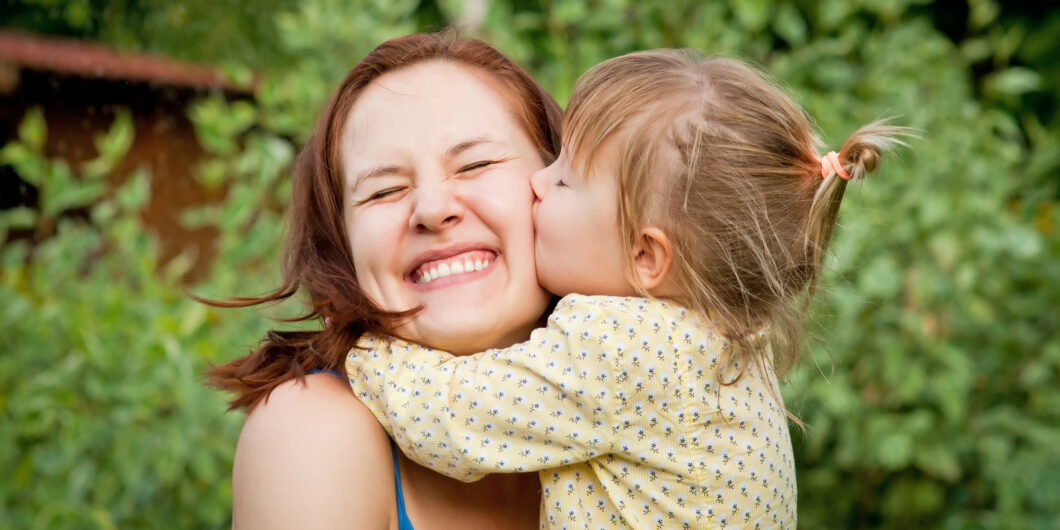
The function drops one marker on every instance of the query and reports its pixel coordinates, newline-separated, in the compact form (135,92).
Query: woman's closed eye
(561,184)
(381,194)
(477,165)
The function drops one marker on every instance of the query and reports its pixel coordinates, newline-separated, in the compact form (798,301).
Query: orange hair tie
(830,164)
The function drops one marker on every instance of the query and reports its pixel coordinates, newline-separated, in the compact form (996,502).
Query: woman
(421,161)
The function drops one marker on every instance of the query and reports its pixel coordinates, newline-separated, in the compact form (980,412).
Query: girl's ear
(652,259)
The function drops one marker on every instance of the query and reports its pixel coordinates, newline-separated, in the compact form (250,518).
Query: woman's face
(438,207)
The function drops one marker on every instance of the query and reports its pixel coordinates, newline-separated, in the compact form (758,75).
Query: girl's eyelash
(561,184)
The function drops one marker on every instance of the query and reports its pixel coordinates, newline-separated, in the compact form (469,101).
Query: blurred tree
(930,390)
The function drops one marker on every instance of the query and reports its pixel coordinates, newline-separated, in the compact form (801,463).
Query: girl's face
(438,207)
(578,245)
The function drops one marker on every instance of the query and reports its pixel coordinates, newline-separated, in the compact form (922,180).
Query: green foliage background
(930,392)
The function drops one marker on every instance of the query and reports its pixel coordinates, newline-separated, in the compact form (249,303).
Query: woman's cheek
(514,191)
(376,235)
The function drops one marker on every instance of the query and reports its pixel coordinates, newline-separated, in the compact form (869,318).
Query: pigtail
(858,157)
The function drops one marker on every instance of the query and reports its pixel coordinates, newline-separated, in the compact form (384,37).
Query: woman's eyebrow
(381,171)
(460,147)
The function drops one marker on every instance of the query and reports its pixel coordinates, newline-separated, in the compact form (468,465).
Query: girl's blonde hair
(716,155)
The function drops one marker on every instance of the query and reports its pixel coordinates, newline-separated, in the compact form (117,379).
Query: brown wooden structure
(79,86)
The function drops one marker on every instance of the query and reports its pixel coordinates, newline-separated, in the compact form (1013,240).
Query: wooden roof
(91,60)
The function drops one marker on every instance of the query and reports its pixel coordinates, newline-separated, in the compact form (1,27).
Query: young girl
(689,209)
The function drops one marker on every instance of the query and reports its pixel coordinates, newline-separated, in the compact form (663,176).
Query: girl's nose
(539,182)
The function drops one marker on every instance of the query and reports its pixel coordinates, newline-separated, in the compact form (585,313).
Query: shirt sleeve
(550,401)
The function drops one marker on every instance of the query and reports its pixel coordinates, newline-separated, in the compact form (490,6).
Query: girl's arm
(294,467)
(553,400)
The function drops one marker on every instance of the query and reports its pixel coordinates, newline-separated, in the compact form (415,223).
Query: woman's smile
(440,268)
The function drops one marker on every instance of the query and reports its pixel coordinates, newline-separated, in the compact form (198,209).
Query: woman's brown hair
(317,256)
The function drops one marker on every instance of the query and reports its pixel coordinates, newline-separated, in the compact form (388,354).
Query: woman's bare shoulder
(303,459)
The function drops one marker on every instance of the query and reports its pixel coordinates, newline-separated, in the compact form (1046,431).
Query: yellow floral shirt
(616,404)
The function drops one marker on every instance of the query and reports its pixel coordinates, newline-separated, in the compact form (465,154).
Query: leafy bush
(930,391)
(106,422)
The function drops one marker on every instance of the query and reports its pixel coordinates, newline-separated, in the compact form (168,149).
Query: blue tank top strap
(404,523)
(332,372)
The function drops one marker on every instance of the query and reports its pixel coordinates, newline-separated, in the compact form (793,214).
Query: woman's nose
(437,207)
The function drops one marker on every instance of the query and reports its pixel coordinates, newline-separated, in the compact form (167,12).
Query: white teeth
(443,269)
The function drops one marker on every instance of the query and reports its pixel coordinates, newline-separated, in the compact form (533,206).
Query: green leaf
(74,195)
(30,166)
(111,146)
(982,13)
(895,450)
(1013,81)
(193,319)
(832,13)
(132,195)
(104,211)
(563,11)
(241,115)
(938,461)
(212,173)
(789,24)
(976,49)
(882,277)
(78,13)
(33,130)
(194,218)
(19,218)
(752,14)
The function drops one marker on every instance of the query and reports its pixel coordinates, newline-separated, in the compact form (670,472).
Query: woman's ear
(652,259)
